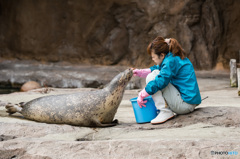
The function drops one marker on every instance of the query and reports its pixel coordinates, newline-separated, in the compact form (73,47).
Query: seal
(88,108)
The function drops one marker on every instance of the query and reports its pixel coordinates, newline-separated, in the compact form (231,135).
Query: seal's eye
(121,79)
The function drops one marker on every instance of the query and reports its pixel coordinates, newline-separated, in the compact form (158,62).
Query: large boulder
(14,74)
(110,32)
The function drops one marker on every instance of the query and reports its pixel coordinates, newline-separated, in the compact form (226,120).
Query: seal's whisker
(117,70)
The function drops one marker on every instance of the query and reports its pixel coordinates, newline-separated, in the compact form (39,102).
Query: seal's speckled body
(91,108)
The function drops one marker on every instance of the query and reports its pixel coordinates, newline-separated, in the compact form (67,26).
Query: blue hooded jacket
(180,73)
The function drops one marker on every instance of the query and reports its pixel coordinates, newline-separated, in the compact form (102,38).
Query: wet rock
(16,73)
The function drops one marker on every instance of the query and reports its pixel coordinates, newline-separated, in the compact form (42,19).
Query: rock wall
(113,32)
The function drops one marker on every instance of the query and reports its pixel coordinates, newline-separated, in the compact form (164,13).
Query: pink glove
(143,94)
(141,72)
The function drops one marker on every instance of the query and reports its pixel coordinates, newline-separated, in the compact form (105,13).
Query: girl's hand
(143,94)
(141,72)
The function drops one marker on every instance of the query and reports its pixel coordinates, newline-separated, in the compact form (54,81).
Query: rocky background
(57,42)
(113,32)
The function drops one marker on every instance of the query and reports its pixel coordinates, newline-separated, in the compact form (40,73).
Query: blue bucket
(144,114)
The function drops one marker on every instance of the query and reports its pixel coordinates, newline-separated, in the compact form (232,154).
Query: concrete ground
(212,131)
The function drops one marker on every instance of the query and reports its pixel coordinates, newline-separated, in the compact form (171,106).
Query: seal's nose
(130,70)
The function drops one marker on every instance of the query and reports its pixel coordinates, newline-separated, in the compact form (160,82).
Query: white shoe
(162,117)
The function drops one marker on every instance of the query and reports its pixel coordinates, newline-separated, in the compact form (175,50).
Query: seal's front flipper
(114,123)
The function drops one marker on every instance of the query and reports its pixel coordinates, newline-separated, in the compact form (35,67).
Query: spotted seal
(88,108)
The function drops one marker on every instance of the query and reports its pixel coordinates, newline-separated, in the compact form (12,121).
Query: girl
(172,78)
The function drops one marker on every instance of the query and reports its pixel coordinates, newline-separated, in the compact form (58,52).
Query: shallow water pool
(7,90)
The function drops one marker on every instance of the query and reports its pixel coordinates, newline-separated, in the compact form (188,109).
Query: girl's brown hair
(159,45)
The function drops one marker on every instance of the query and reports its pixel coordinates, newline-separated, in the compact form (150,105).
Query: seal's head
(121,79)
(125,77)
